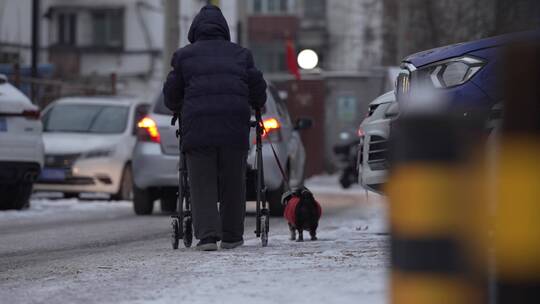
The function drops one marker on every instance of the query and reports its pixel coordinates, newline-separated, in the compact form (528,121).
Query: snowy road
(66,251)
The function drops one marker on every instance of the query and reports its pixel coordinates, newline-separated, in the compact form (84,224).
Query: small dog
(302,212)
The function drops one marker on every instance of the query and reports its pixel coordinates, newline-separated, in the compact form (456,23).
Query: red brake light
(148,130)
(28,114)
(31,114)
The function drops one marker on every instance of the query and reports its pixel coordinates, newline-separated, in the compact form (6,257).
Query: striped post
(425,214)
(517,215)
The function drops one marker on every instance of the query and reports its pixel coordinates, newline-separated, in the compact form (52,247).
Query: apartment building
(93,38)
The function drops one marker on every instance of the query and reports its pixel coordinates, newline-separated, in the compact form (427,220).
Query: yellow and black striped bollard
(428,265)
(517,181)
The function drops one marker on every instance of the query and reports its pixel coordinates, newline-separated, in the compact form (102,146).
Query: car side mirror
(393,110)
(303,123)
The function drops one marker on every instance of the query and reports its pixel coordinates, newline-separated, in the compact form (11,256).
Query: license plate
(53,174)
(3,124)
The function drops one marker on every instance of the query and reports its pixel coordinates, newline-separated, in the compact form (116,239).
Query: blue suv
(466,74)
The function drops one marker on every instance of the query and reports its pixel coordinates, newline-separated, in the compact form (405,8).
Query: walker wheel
(265,227)
(188,232)
(175,235)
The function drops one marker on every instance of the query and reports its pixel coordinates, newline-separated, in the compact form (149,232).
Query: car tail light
(31,114)
(270,125)
(148,130)
(28,114)
(271,130)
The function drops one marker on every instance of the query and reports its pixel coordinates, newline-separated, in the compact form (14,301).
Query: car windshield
(86,118)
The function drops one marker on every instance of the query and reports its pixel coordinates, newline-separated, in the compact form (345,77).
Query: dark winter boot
(231,245)
(207,244)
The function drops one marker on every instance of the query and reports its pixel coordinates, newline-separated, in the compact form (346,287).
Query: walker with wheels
(182,222)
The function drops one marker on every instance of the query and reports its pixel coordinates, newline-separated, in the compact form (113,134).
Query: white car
(21,147)
(88,145)
(373,153)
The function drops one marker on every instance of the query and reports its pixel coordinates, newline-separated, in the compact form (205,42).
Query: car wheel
(274,201)
(16,197)
(168,201)
(125,193)
(143,201)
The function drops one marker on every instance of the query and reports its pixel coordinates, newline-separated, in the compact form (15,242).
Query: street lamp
(308,59)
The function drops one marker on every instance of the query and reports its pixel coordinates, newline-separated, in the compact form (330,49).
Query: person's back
(212,84)
(216,74)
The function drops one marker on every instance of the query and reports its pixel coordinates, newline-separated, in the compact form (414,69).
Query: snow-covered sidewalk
(348,264)
(98,252)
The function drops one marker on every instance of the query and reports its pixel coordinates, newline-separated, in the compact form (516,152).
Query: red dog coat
(290,210)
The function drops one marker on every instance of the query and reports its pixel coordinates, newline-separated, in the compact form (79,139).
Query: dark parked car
(465,75)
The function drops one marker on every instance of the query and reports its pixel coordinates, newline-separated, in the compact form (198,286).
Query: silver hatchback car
(156,156)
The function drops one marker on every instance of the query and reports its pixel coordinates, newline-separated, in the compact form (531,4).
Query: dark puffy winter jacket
(212,84)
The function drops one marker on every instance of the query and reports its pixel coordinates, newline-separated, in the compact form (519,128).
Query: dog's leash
(280,166)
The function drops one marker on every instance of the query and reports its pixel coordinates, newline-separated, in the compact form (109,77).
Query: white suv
(373,162)
(21,147)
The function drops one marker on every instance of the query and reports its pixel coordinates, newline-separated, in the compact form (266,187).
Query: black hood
(209,24)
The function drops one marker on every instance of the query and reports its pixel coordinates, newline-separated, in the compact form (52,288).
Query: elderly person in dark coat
(214,84)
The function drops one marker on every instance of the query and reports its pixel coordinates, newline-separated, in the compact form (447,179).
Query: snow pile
(42,207)
(330,184)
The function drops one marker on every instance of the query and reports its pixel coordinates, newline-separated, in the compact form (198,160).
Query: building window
(315,8)
(283,4)
(9,57)
(277,6)
(257,6)
(272,6)
(67,29)
(108,28)
(270,56)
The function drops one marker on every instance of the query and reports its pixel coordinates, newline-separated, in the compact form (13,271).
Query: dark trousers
(218,174)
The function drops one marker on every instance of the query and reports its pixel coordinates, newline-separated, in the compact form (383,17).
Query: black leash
(280,166)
